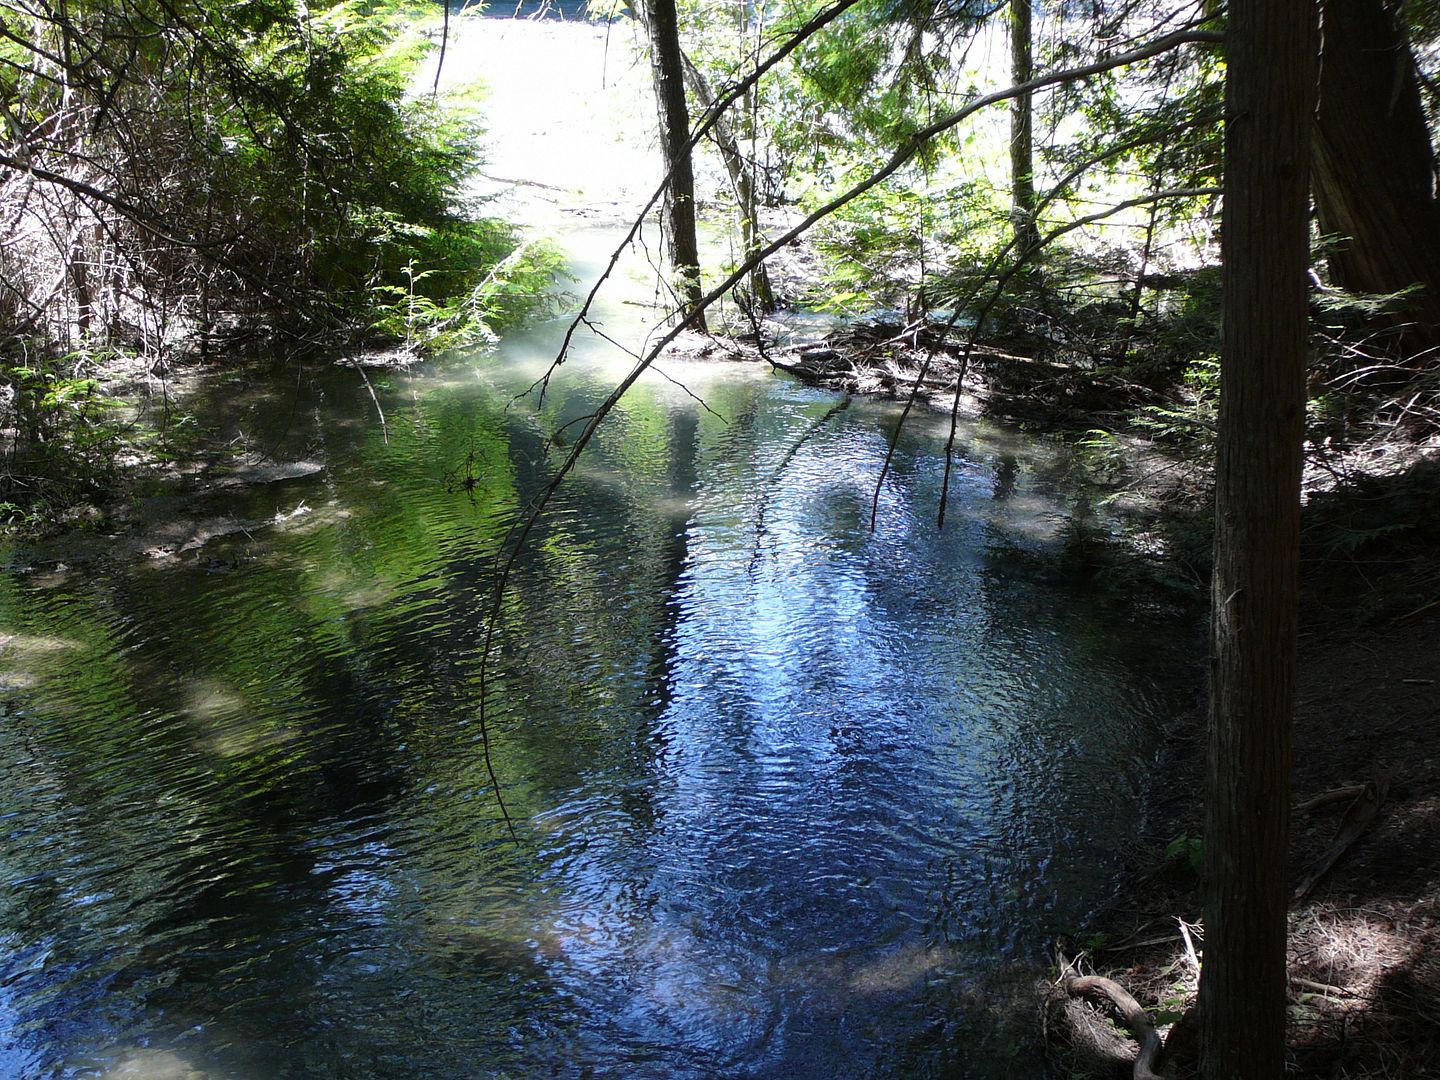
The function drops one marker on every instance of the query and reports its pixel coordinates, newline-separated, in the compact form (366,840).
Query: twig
(1325,798)
(1190,953)
(1423,609)
(1132,946)
(384,431)
(775,473)
(689,393)
(1321,988)
(998,290)
(444,42)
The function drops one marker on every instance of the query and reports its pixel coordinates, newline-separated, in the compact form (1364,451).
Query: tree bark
(1022,150)
(742,180)
(1374,167)
(667,68)
(1265,249)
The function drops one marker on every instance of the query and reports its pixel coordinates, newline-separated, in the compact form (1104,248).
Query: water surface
(786,790)
(783,786)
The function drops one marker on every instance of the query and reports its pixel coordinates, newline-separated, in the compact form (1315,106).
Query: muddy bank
(894,359)
(886,358)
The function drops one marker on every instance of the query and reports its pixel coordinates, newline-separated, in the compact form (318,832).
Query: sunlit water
(786,791)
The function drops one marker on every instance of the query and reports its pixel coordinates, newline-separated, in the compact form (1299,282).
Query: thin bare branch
(901,156)
(708,121)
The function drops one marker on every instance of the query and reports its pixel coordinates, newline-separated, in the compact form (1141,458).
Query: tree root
(1130,1013)
(1359,815)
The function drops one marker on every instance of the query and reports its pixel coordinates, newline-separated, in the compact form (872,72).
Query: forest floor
(1365,853)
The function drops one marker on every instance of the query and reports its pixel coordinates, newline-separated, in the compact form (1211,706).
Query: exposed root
(1111,993)
(1359,816)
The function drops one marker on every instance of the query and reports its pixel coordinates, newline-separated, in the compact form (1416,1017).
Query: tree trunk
(667,68)
(1022,152)
(1265,249)
(742,181)
(1374,168)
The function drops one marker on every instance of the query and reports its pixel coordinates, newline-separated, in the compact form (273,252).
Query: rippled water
(785,789)
(788,793)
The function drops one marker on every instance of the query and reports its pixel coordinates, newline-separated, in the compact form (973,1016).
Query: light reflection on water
(784,787)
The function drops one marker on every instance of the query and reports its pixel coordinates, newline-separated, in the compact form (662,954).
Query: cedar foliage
(181,176)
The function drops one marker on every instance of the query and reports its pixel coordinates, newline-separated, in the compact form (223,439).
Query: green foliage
(1339,540)
(1190,417)
(66,437)
(266,160)
(186,174)
(853,94)
(1173,1005)
(415,315)
(365,179)
(1189,851)
(886,245)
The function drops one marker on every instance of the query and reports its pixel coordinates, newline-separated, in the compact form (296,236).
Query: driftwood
(881,358)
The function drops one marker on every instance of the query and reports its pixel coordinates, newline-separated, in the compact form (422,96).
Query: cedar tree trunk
(1265,247)
(1022,153)
(667,68)
(1374,169)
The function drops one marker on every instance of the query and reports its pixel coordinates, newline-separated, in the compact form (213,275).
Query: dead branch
(1327,798)
(1323,989)
(1413,616)
(1359,815)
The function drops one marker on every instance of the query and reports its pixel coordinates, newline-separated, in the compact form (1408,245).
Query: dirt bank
(1365,859)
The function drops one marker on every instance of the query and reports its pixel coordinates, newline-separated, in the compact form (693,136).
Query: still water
(786,790)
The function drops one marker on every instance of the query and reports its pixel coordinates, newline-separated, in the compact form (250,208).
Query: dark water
(787,791)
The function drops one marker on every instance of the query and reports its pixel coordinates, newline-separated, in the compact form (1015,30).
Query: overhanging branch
(522,529)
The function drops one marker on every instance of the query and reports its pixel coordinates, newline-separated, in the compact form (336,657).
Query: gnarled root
(1131,1014)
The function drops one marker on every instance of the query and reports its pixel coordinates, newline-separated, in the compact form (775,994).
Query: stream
(791,797)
